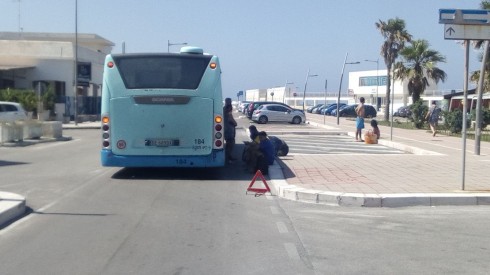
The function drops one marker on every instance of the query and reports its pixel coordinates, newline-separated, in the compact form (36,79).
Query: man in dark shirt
(266,148)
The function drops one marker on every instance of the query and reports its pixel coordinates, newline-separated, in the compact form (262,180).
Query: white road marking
(52,144)
(275,210)
(283,229)
(292,251)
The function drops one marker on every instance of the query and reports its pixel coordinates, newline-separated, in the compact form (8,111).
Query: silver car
(11,111)
(278,113)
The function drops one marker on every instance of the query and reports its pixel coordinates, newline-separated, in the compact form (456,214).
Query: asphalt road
(86,219)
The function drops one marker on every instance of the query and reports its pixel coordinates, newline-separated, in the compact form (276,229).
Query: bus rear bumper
(215,159)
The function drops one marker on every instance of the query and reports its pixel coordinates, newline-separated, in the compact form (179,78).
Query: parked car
(319,109)
(11,111)
(310,109)
(278,113)
(242,106)
(350,111)
(328,111)
(403,111)
(256,104)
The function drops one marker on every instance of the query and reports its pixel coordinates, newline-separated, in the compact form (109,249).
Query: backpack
(280,146)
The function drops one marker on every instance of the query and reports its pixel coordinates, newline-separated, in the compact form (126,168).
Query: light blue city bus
(162,110)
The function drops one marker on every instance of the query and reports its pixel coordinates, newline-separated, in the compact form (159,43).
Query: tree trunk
(388,94)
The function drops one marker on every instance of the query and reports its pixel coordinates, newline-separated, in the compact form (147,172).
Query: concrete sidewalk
(430,174)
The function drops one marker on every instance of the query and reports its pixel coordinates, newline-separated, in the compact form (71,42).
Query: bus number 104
(199,141)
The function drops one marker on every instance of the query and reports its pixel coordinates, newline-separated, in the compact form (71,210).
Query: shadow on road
(233,171)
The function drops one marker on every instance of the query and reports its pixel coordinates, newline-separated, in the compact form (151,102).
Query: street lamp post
(377,80)
(340,86)
(75,81)
(173,44)
(308,75)
(325,99)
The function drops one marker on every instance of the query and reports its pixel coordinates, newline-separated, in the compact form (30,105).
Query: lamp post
(340,86)
(308,75)
(75,82)
(325,99)
(174,44)
(377,80)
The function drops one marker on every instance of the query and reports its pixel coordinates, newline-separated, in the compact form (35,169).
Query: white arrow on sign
(467,32)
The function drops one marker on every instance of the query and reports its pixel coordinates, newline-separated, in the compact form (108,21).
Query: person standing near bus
(360,111)
(230,131)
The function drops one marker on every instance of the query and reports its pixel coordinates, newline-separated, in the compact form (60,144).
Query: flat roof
(14,67)
(46,36)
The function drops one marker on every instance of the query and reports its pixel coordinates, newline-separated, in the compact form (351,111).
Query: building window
(371,81)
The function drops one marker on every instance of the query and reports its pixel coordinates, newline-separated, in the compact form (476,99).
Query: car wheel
(296,120)
(263,120)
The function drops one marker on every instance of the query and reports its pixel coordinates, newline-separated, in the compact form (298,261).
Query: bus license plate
(161,142)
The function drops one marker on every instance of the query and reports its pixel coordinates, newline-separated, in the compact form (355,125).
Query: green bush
(27,98)
(485,117)
(418,113)
(453,120)
(48,99)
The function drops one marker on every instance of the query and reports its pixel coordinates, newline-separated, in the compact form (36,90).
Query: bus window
(162,72)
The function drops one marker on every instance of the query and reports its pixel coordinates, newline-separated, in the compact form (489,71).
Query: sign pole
(465,104)
(479,101)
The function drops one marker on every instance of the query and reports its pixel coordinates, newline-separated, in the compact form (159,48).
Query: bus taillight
(110,64)
(106,135)
(218,132)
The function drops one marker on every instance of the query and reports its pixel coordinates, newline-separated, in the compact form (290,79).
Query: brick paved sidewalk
(433,169)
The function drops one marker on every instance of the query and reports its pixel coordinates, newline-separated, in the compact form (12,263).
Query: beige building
(47,60)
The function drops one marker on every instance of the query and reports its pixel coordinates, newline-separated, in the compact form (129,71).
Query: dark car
(328,111)
(310,109)
(403,111)
(350,111)
(316,110)
(256,104)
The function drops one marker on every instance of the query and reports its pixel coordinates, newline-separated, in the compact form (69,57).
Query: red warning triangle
(259,190)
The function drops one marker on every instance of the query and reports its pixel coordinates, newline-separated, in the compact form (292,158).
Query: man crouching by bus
(230,124)
(261,156)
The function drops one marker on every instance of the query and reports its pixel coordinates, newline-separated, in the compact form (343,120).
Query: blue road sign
(464,17)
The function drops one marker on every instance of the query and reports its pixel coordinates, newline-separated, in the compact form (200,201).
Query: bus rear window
(161,71)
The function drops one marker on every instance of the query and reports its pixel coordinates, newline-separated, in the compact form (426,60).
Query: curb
(281,188)
(82,127)
(11,207)
(27,142)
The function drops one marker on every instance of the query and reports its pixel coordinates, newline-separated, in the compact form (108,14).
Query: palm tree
(395,37)
(475,76)
(419,65)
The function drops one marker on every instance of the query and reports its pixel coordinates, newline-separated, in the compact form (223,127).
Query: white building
(41,60)
(270,94)
(364,84)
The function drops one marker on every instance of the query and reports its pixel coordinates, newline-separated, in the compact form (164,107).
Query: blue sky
(261,43)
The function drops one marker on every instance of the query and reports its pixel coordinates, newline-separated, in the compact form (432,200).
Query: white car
(11,111)
(278,113)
